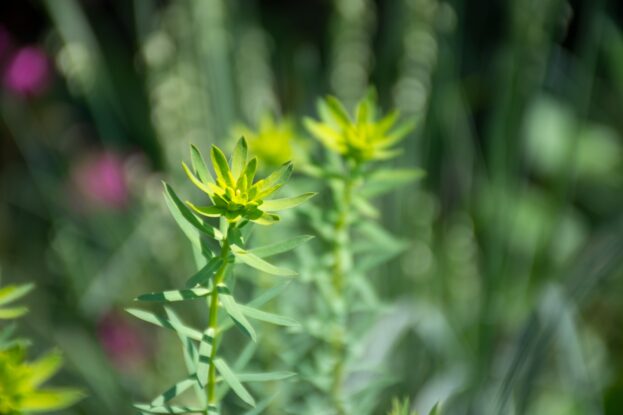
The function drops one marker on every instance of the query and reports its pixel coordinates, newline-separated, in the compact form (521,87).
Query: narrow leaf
(163,322)
(256,314)
(205,351)
(258,263)
(186,220)
(175,295)
(265,377)
(221,168)
(280,247)
(199,165)
(286,203)
(197,182)
(239,157)
(233,310)
(45,400)
(232,380)
(44,368)
(11,293)
(204,275)
(174,391)
(11,313)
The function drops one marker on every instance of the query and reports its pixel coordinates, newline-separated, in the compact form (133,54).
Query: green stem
(213,321)
(342,260)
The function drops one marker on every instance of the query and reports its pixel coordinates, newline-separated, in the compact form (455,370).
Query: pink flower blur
(121,341)
(101,180)
(27,72)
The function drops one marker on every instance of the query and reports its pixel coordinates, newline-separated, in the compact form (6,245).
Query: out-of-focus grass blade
(175,295)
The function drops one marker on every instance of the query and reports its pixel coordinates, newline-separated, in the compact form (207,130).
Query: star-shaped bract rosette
(233,192)
(363,137)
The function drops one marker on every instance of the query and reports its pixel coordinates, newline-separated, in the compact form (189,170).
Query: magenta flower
(121,341)
(101,180)
(28,72)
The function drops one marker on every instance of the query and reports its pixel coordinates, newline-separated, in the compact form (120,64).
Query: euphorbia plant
(238,201)
(347,306)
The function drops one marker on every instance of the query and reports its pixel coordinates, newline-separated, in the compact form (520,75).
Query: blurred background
(509,297)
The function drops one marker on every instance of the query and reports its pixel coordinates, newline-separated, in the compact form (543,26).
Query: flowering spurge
(21,381)
(346,306)
(237,201)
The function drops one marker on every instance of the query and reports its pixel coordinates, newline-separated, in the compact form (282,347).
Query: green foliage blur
(507,294)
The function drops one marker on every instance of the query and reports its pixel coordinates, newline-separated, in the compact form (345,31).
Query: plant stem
(213,320)
(342,260)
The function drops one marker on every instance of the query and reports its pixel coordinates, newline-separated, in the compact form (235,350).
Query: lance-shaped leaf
(174,391)
(256,314)
(197,182)
(186,220)
(169,409)
(191,356)
(332,107)
(286,203)
(11,293)
(232,380)
(203,276)
(199,165)
(280,247)
(233,310)
(166,323)
(44,368)
(205,351)
(175,295)
(13,312)
(265,377)
(258,263)
(46,400)
(239,157)
(221,168)
(274,181)
(209,211)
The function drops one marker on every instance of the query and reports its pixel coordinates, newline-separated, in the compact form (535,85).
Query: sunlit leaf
(205,351)
(286,203)
(239,157)
(10,293)
(258,263)
(46,400)
(199,165)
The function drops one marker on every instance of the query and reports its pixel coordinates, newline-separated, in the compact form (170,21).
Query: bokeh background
(509,296)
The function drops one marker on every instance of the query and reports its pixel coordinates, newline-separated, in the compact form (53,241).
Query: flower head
(360,138)
(234,193)
(272,142)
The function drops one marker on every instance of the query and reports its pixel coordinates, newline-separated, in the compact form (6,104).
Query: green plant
(21,380)
(238,201)
(403,408)
(354,243)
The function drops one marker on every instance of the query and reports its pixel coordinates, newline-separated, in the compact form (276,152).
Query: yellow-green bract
(362,137)
(234,193)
